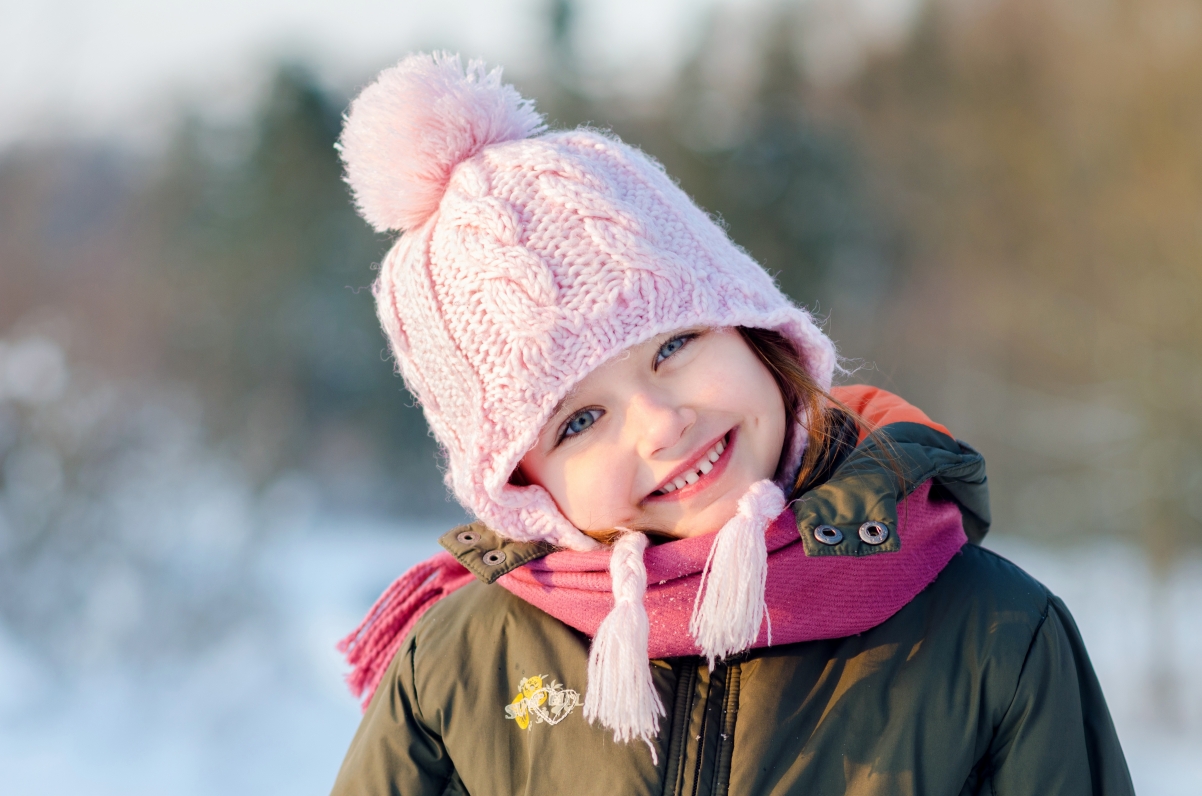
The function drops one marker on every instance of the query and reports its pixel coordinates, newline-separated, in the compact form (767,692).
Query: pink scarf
(808,597)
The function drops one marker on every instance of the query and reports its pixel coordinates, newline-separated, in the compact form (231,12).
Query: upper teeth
(700,468)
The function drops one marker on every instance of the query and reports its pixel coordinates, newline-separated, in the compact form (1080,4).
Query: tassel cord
(729,607)
(621,692)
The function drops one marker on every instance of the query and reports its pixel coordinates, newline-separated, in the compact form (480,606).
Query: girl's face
(666,437)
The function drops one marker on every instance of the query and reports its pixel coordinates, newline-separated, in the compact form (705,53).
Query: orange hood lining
(880,408)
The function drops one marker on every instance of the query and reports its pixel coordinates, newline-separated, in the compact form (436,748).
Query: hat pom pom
(406,132)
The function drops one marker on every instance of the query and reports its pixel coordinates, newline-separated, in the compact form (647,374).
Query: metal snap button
(828,534)
(494,557)
(874,532)
(468,538)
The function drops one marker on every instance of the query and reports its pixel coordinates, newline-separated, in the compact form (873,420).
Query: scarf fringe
(371,646)
(621,694)
(730,607)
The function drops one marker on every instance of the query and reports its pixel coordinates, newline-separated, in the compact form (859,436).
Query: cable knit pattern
(542,258)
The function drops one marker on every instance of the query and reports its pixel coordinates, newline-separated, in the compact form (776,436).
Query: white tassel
(729,607)
(621,694)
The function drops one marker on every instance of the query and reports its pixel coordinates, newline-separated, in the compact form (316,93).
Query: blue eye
(580,421)
(671,347)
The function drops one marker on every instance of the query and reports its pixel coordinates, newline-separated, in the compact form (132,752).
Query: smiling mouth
(698,470)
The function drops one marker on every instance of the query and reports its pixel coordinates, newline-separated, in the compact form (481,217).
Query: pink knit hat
(528,258)
(525,263)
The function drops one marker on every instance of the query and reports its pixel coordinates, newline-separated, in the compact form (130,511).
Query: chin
(708,521)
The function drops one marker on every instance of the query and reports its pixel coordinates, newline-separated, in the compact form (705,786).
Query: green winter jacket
(981,684)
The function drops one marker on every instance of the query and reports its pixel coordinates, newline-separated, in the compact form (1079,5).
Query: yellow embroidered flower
(533,694)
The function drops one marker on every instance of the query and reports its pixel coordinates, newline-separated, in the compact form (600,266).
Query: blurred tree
(558,84)
(124,541)
(269,307)
(791,190)
(1044,159)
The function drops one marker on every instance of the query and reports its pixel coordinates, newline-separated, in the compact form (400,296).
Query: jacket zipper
(702,739)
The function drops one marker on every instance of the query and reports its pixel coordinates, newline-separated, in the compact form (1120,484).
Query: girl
(698,568)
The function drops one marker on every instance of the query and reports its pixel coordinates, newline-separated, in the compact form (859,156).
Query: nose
(655,422)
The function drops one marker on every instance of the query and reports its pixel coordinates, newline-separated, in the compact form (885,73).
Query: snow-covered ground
(266,712)
(263,712)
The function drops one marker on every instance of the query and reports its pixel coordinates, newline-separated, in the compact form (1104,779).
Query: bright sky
(99,67)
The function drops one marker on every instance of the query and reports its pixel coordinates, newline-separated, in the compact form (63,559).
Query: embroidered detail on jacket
(548,704)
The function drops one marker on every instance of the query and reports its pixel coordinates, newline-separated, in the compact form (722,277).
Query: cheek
(594,490)
(750,392)
(769,407)
(745,387)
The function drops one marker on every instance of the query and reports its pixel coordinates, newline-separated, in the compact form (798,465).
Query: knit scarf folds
(804,598)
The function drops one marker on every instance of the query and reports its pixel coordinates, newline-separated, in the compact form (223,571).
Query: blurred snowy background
(208,470)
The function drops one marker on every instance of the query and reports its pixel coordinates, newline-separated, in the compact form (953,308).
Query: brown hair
(804,397)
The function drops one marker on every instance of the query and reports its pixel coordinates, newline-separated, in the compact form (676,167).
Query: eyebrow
(571,394)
